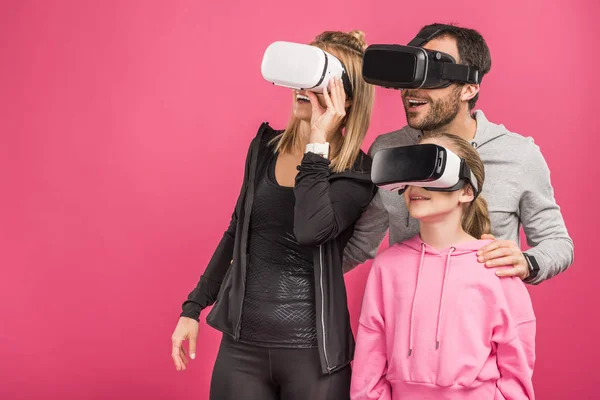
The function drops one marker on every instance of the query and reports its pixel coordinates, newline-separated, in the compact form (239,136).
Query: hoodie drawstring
(412,311)
(439,323)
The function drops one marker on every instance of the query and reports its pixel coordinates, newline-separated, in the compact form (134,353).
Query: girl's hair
(349,49)
(476,218)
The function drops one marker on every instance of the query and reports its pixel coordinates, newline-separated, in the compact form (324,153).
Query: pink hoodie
(440,325)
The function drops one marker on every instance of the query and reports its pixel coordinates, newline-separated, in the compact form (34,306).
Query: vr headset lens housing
(405,67)
(411,67)
(302,66)
(429,166)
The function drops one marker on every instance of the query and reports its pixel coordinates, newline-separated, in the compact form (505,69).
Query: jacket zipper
(323,309)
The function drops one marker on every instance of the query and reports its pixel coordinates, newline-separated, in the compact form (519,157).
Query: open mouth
(302,98)
(415,104)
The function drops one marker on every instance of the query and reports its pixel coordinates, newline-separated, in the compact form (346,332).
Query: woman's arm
(324,209)
(207,289)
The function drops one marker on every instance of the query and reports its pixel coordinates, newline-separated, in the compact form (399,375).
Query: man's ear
(469,91)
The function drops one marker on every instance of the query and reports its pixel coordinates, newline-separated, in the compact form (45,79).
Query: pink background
(123,130)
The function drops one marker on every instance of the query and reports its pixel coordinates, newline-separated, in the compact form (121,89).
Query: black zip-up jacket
(327,207)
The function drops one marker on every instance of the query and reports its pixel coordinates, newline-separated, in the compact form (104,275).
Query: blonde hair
(476,217)
(349,49)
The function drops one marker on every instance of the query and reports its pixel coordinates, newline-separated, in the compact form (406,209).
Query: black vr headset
(411,67)
(429,166)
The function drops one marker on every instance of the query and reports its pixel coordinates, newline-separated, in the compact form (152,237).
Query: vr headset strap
(460,73)
(466,173)
(345,77)
(324,69)
(451,72)
(427,34)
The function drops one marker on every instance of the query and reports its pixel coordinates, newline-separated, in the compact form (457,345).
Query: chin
(302,115)
(416,213)
(414,121)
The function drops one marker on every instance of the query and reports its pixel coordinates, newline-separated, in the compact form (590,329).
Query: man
(517,185)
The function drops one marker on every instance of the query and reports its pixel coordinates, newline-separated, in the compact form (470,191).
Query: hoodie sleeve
(514,337)
(542,221)
(324,209)
(369,232)
(369,369)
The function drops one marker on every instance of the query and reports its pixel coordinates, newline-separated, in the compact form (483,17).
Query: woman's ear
(348,104)
(467,194)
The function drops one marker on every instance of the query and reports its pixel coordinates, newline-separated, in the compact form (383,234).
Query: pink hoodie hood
(440,325)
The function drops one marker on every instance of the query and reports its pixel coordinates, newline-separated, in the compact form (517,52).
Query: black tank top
(279,303)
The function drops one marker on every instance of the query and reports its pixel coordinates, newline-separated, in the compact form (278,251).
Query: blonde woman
(276,277)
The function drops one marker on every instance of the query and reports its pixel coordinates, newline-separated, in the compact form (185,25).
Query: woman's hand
(186,329)
(325,123)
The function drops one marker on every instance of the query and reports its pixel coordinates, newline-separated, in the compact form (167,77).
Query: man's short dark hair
(472,49)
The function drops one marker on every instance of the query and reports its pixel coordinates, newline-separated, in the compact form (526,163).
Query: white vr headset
(302,67)
(429,166)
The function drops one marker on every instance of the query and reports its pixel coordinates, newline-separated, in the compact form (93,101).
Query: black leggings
(246,372)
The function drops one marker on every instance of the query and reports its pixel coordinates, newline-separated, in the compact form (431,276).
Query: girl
(434,324)
(276,275)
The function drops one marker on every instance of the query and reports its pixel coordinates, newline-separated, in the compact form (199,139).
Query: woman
(434,325)
(276,277)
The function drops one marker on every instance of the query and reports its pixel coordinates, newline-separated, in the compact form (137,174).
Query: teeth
(417,101)
(419,198)
(302,97)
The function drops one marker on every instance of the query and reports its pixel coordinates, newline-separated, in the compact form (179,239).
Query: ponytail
(476,218)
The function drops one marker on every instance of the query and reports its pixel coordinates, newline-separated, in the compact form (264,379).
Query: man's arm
(369,231)
(542,221)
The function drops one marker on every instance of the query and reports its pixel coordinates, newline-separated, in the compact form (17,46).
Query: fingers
(314,102)
(508,272)
(341,97)
(487,236)
(503,262)
(496,253)
(192,344)
(183,356)
(328,101)
(493,246)
(338,96)
(176,355)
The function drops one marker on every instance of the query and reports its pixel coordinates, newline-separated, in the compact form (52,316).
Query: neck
(443,232)
(304,135)
(463,125)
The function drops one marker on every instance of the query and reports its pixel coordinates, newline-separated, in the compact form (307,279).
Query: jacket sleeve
(370,366)
(542,221)
(514,338)
(207,289)
(323,210)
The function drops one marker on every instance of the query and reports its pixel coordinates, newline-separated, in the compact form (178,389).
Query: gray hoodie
(517,189)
